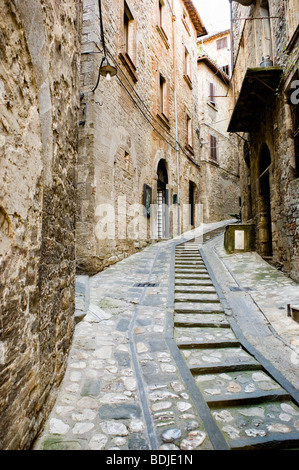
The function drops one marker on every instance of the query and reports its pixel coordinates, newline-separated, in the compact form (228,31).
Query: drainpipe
(176,124)
(232,49)
(267,52)
(177,163)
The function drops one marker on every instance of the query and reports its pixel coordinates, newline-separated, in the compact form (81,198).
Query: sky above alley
(214,13)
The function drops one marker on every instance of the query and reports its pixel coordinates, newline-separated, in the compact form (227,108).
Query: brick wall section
(38,148)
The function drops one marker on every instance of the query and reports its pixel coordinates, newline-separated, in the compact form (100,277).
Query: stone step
(205,335)
(240,399)
(194,283)
(194,297)
(186,264)
(192,276)
(195,289)
(183,254)
(222,360)
(199,320)
(205,345)
(187,251)
(264,423)
(277,441)
(195,307)
(191,269)
(224,367)
(237,383)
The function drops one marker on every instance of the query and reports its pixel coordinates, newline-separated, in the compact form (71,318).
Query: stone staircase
(250,408)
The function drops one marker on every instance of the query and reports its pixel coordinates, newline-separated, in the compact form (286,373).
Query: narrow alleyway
(170,357)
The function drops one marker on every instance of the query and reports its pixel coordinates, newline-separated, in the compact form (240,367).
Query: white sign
(239,239)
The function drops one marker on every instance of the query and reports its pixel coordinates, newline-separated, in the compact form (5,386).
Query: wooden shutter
(212,93)
(213,148)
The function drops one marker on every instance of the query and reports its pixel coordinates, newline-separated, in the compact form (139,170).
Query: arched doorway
(248,201)
(162,200)
(265,222)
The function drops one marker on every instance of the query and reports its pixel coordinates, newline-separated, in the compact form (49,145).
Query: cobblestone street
(127,386)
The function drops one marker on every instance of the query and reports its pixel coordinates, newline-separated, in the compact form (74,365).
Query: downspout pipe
(176,124)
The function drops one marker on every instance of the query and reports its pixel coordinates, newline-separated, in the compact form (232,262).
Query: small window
(221,43)
(128,38)
(213,147)
(163,107)
(185,21)
(187,63)
(189,132)
(162,93)
(161,8)
(225,69)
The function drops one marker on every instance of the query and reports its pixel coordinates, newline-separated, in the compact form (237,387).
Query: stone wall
(124,134)
(38,147)
(275,133)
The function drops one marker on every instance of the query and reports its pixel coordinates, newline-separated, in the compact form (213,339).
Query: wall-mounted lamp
(106,70)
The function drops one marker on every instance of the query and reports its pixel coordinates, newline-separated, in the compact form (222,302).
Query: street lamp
(107,70)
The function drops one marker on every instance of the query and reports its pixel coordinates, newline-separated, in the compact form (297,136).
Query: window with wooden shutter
(221,43)
(163,99)
(189,132)
(127,52)
(212,94)
(213,147)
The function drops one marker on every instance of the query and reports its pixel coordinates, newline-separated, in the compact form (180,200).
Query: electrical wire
(150,118)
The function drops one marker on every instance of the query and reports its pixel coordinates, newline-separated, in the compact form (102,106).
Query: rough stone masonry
(38,147)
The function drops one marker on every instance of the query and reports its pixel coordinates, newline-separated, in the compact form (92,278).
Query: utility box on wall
(239,238)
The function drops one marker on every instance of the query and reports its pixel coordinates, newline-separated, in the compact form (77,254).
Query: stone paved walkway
(124,387)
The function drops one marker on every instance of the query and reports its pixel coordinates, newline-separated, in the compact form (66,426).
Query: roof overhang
(215,69)
(195,18)
(258,89)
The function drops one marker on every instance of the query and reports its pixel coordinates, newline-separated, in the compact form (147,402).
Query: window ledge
(163,36)
(213,106)
(188,80)
(164,119)
(189,148)
(129,65)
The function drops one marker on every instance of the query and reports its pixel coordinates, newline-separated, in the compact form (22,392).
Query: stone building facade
(265,116)
(218,46)
(138,139)
(219,152)
(39,96)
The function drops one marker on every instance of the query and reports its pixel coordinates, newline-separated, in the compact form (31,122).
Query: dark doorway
(192,203)
(248,200)
(265,222)
(162,201)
